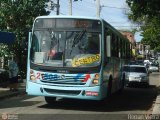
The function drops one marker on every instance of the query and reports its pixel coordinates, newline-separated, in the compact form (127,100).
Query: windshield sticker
(85,59)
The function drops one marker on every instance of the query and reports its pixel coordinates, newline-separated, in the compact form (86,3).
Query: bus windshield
(66,42)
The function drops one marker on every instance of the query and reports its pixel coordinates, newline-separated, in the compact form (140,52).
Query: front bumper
(90,93)
(137,80)
(154,70)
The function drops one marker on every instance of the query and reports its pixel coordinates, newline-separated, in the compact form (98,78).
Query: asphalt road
(132,102)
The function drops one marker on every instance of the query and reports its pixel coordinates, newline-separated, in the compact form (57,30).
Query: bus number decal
(38,75)
(85,60)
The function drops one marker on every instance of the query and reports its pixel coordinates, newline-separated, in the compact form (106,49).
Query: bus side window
(117,47)
(113,45)
(123,49)
(120,47)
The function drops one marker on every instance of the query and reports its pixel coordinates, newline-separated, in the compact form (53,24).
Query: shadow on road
(130,99)
(17,102)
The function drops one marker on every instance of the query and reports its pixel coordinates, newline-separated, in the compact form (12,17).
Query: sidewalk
(156,108)
(5,92)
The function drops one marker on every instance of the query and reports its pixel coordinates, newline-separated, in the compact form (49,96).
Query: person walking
(13,75)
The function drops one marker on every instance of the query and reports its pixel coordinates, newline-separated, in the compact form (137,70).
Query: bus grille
(66,80)
(63,92)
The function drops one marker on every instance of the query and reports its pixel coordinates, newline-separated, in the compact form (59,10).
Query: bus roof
(68,16)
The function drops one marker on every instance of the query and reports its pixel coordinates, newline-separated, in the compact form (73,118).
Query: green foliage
(17,16)
(4,51)
(157,49)
(146,14)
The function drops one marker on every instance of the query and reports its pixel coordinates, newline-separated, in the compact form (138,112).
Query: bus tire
(109,88)
(50,100)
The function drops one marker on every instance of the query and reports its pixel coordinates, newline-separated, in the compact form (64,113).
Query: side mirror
(29,39)
(29,43)
(108,46)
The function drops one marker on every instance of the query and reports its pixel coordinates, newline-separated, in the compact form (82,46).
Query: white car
(153,68)
(136,74)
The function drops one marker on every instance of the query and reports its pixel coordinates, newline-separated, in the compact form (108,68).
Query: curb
(156,109)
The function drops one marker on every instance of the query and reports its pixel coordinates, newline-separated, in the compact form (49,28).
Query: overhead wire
(114,7)
(91,5)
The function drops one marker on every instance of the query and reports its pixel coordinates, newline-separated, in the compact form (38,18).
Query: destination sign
(89,59)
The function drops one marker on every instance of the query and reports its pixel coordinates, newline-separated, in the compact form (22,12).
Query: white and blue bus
(75,57)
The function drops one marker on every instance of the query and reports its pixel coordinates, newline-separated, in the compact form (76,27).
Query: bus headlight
(95,80)
(32,76)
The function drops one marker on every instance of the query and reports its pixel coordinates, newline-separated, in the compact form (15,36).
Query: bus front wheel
(105,100)
(50,100)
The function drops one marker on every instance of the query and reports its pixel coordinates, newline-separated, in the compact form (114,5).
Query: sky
(113,11)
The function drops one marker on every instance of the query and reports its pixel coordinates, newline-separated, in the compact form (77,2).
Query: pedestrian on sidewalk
(13,74)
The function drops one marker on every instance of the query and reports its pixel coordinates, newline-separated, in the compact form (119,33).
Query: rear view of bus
(64,58)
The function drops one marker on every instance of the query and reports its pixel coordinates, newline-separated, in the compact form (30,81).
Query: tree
(146,14)
(17,16)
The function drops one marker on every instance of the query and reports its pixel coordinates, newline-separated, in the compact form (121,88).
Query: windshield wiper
(78,38)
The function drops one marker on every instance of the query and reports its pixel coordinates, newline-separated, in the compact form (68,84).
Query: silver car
(136,74)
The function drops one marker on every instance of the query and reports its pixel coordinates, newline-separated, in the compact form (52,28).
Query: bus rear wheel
(122,84)
(50,100)
(109,88)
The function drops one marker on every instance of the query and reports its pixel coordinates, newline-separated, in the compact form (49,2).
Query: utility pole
(58,6)
(70,7)
(98,8)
